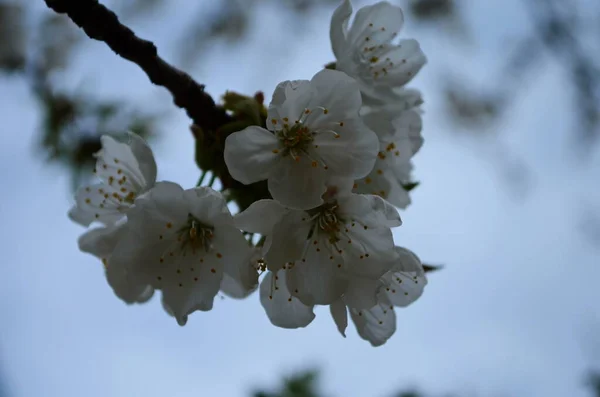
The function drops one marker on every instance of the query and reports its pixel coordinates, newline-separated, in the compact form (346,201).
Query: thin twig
(100,23)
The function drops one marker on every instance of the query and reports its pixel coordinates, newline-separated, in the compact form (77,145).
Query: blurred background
(509,202)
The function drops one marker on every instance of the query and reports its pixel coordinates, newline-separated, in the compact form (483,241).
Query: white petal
(340,315)
(246,282)
(189,285)
(408,59)
(288,239)
(208,206)
(408,128)
(166,198)
(117,160)
(370,210)
(144,157)
(405,284)
(362,293)
(101,203)
(290,99)
(371,253)
(260,217)
(249,154)
(351,152)
(408,261)
(317,279)
(126,286)
(297,184)
(338,93)
(375,325)
(282,308)
(80,216)
(236,253)
(339,28)
(102,241)
(378,22)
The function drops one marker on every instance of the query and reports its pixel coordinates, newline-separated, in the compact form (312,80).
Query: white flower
(283,309)
(375,325)
(126,170)
(314,134)
(399,139)
(399,287)
(246,281)
(181,242)
(405,283)
(101,243)
(365,50)
(341,247)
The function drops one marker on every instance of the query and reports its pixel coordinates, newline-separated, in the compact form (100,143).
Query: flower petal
(375,325)
(282,308)
(249,154)
(99,203)
(406,282)
(190,285)
(229,242)
(361,293)
(371,253)
(116,160)
(408,59)
(339,28)
(260,217)
(370,210)
(290,100)
(145,158)
(350,152)
(297,184)
(246,282)
(316,279)
(340,315)
(287,240)
(338,94)
(102,242)
(208,206)
(376,24)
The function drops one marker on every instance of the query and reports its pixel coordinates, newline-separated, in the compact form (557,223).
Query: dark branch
(100,23)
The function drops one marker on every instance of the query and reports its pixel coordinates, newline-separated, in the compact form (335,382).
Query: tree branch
(100,23)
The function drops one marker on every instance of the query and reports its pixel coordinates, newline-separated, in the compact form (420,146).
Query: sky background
(515,312)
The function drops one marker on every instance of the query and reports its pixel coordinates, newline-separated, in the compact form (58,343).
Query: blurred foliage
(302,384)
(305,384)
(72,122)
(559,28)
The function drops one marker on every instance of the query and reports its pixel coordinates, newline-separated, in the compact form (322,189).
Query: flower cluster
(335,153)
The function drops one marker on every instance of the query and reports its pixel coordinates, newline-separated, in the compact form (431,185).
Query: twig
(100,23)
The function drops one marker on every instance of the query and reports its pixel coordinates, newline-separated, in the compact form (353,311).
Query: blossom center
(295,140)
(327,221)
(195,234)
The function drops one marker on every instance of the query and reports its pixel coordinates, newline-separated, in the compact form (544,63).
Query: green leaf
(410,186)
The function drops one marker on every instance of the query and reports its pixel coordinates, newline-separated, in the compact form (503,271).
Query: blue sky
(514,313)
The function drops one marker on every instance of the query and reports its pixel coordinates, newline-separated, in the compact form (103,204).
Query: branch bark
(100,23)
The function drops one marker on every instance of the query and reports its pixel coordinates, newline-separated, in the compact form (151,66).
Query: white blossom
(126,170)
(341,247)
(283,309)
(399,287)
(405,283)
(181,242)
(314,134)
(366,50)
(400,138)
(246,281)
(101,242)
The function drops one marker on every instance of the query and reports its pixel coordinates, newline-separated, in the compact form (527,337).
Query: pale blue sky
(514,313)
